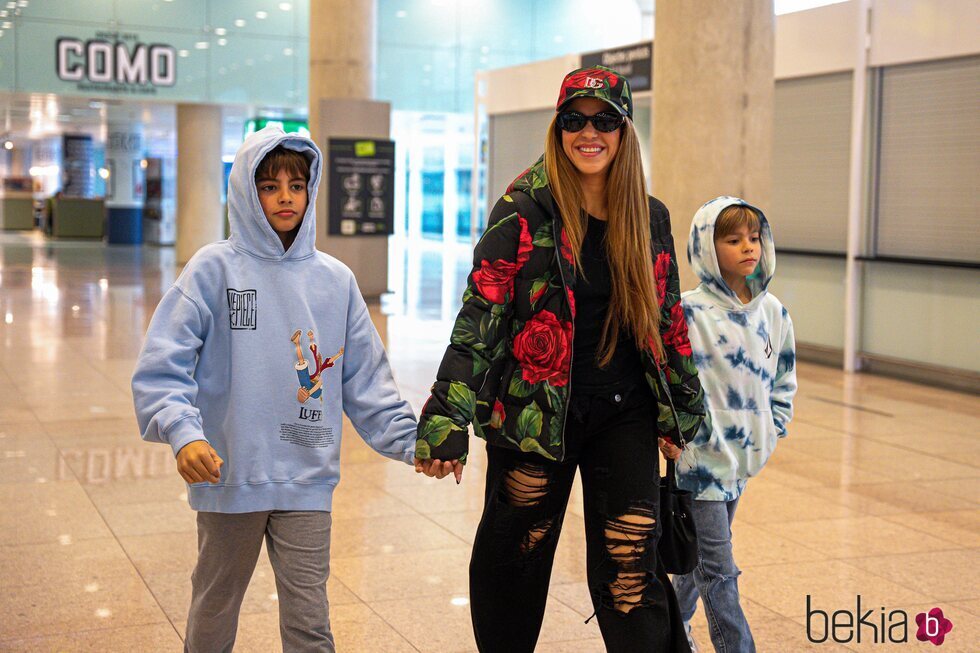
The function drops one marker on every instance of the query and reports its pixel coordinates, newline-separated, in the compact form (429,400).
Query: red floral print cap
(598,82)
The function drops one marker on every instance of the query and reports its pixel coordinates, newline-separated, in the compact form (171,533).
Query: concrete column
(342,51)
(200,215)
(342,63)
(712,107)
(126,185)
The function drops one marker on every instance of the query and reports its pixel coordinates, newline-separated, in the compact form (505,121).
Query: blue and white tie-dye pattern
(746,360)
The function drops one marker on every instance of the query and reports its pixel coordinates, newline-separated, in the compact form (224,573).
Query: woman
(577,264)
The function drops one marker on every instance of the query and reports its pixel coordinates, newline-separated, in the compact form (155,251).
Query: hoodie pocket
(740,443)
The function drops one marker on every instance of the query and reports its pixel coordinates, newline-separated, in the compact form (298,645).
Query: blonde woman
(570,352)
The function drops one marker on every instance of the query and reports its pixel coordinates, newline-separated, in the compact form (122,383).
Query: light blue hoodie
(232,341)
(746,360)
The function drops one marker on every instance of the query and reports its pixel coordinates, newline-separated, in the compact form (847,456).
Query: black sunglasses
(604,121)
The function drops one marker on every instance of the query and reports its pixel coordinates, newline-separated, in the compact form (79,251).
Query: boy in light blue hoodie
(249,363)
(745,354)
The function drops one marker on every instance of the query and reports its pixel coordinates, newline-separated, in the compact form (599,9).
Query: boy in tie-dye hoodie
(745,354)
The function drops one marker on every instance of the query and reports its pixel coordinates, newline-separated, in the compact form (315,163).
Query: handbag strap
(671,479)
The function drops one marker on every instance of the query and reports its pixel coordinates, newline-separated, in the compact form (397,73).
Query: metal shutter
(929,165)
(810,162)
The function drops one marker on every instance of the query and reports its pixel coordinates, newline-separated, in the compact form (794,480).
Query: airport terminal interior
(121,122)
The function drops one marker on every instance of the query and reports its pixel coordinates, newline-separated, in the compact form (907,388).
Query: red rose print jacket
(506,370)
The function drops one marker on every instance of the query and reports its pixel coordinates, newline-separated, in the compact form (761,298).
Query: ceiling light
(220,31)
(261,15)
(285,6)
(239,22)
(201,45)
(222,41)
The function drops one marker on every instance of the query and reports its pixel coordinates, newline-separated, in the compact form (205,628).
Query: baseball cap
(598,82)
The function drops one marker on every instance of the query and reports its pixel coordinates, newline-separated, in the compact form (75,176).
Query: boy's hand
(668,450)
(436,468)
(198,462)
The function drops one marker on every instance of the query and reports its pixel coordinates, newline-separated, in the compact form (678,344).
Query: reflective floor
(874,493)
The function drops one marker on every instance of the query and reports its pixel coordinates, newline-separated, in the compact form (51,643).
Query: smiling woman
(576,265)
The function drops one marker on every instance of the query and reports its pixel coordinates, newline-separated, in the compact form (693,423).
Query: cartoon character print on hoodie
(746,360)
(221,359)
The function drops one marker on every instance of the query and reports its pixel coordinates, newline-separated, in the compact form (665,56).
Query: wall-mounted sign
(362,187)
(116,62)
(635,61)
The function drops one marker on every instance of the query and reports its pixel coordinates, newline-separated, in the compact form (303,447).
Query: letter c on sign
(70,71)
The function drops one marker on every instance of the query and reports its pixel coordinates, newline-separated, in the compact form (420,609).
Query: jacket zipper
(571,355)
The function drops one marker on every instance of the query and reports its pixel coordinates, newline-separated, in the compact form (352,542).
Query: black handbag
(678,546)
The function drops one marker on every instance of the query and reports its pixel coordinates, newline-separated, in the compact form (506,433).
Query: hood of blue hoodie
(703,257)
(251,232)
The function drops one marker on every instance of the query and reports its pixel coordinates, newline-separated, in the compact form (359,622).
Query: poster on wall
(360,173)
(78,165)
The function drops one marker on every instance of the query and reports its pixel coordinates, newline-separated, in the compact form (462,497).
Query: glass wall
(428,54)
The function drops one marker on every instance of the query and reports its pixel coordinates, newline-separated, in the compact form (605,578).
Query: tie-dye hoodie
(746,359)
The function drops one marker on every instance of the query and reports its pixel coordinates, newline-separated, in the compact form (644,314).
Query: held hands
(439,468)
(668,450)
(198,462)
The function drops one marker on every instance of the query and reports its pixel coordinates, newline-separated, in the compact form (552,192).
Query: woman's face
(590,150)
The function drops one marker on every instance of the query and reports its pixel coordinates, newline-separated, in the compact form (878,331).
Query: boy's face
(283,201)
(738,252)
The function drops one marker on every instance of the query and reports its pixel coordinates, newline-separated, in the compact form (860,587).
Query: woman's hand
(669,450)
(436,468)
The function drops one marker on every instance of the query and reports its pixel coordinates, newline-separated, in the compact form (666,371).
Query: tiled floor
(874,494)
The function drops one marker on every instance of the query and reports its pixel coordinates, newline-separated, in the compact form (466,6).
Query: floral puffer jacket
(507,368)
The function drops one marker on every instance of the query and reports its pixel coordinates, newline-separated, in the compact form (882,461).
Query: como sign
(98,61)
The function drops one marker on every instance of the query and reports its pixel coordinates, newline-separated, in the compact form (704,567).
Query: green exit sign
(288,125)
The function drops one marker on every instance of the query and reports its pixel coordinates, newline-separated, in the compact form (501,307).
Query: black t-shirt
(592,297)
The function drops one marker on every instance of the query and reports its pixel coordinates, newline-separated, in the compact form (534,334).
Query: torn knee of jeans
(713,578)
(630,545)
(537,535)
(525,486)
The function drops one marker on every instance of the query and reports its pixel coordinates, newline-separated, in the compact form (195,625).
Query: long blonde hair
(634,297)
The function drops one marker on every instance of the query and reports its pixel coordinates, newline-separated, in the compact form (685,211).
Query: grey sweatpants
(228,547)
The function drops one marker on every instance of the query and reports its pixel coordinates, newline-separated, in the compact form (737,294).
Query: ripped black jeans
(612,439)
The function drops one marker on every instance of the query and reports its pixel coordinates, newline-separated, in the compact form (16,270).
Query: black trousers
(612,440)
